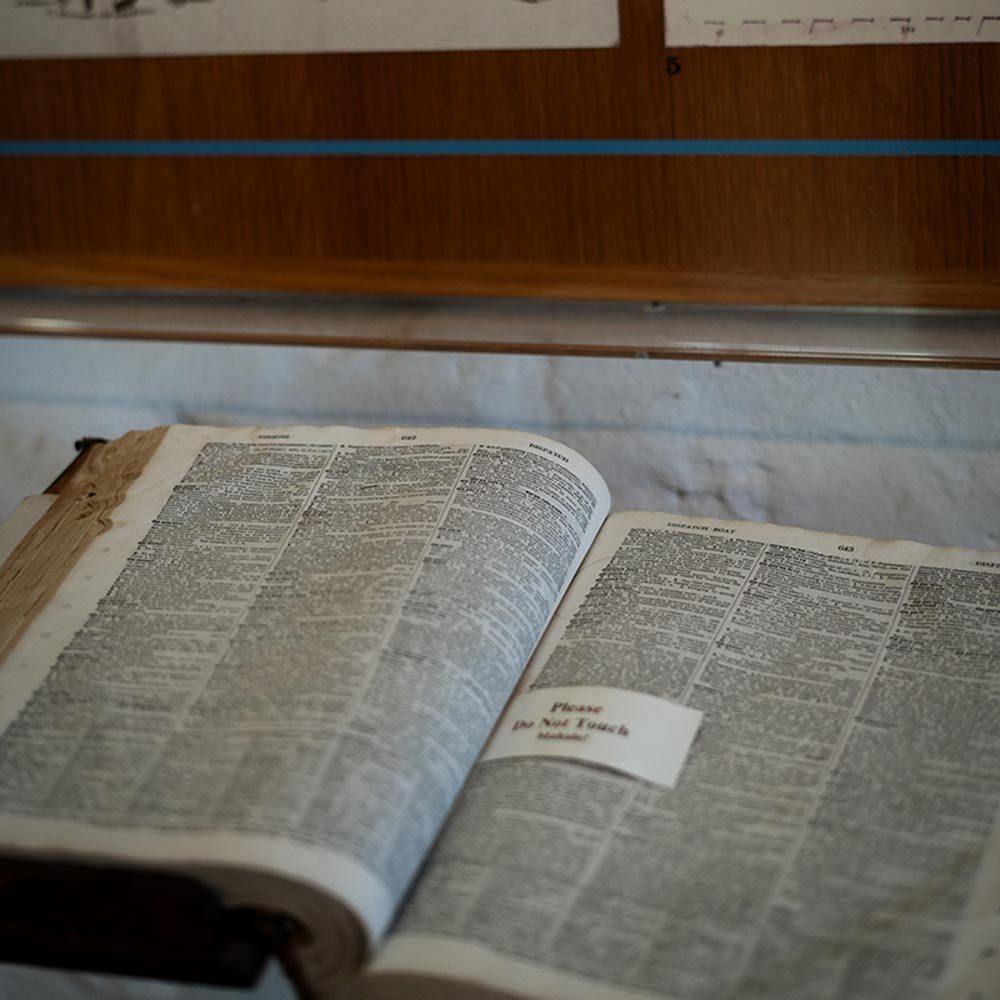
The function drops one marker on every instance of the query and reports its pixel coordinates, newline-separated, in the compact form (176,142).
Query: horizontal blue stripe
(501,147)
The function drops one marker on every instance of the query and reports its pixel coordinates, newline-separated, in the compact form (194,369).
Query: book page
(34,28)
(833,832)
(829,22)
(288,650)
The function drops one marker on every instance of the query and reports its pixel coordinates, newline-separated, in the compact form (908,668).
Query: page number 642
(673,65)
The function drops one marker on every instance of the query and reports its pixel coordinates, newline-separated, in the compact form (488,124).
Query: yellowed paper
(23,518)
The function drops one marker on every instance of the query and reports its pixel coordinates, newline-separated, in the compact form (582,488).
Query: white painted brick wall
(874,451)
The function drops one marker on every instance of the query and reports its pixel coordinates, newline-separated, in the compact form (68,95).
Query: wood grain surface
(840,230)
(81,512)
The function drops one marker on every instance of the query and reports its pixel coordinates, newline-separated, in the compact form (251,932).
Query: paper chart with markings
(830,22)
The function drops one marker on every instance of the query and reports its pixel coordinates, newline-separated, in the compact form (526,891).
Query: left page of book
(287,650)
(45,28)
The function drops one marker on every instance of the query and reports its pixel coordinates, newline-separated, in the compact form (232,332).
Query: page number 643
(673,65)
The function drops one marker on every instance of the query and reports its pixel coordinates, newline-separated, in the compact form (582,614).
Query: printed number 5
(673,65)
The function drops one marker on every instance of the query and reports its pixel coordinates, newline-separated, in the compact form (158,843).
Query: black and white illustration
(45,28)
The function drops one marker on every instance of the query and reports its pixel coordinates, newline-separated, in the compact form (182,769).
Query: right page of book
(833,830)
(285,654)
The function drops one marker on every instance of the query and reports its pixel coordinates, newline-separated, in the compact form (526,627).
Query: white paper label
(639,734)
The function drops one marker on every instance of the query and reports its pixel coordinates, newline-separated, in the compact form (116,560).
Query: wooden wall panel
(866,230)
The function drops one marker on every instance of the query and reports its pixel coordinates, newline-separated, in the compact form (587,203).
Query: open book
(741,761)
